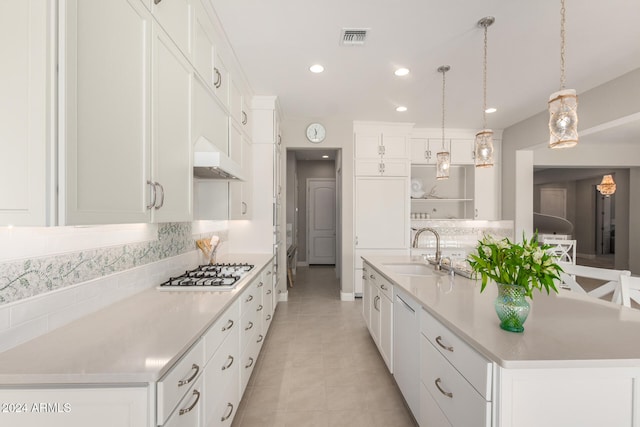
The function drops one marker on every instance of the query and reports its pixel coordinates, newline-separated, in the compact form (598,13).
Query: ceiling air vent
(353,37)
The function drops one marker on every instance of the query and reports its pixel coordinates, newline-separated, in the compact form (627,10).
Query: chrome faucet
(435,233)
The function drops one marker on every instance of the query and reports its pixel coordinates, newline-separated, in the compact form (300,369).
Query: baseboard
(347,296)
(283,297)
(302,264)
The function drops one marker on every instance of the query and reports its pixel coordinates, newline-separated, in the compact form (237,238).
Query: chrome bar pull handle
(250,363)
(183,411)
(153,194)
(260,307)
(195,368)
(260,338)
(158,206)
(446,393)
(228,326)
(226,417)
(249,326)
(218,81)
(446,347)
(230,359)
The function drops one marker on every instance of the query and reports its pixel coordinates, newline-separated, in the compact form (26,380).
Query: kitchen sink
(411,269)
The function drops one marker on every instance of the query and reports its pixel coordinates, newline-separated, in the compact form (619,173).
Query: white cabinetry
(379,313)
(455,376)
(172,167)
(106,125)
(76,407)
(105,122)
(462,152)
(27,86)
(406,348)
(381,212)
(381,154)
(176,17)
(424,150)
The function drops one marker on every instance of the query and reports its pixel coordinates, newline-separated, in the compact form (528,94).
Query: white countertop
(136,340)
(562,330)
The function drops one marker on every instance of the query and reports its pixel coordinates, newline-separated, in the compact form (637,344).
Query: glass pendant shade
(443,163)
(483,153)
(563,119)
(607,187)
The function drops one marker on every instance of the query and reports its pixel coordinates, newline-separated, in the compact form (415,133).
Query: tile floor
(319,366)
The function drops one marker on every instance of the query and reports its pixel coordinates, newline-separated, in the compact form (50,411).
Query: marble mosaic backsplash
(459,236)
(29,277)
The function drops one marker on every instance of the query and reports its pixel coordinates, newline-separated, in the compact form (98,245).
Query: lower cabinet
(378,313)
(406,349)
(75,407)
(203,389)
(455,376)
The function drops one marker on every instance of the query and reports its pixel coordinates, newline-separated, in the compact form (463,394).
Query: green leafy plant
(529,264)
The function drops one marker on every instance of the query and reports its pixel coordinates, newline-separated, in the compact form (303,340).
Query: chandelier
(483,145)
(607,187)
(563,105)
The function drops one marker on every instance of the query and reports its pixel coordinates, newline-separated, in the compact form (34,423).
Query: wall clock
(316,133)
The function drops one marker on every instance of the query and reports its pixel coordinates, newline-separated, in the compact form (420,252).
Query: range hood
(210,163)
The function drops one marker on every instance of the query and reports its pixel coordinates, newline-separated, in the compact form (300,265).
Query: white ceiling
(277,40)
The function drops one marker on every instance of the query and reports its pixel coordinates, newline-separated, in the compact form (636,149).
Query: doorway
(321,221)
(605,224)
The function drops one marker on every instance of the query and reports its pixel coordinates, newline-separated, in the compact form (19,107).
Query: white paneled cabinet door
(382,213)
(25,110)
(105,125)
(175,16)
(486,196)
(462,152)
(172,167)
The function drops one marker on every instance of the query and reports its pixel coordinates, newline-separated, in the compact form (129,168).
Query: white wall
(614,103)
(339,136)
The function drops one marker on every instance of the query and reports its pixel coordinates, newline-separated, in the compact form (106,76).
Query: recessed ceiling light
(400,72)
(401,109)
(317,68)
(325,156)
(490,110)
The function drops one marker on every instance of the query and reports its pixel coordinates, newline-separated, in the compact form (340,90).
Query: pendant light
(443,158)
(563,105)
(607,187)
(483,146)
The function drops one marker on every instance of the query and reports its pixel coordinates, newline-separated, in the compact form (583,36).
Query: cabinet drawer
(473,366)
(459,401)
(249,359)
(430,413)
(178,381)
(250,298)
(175,17)
(227,405)
(224,364)
(386,288)
(189,411)
(250,324)
(228,322)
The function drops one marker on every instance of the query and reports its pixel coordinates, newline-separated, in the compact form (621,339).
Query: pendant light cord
(484,81)
(563,11)
(443,84)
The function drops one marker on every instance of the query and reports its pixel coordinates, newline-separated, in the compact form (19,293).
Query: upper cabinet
(171,153)
(381,149)
(27,111)
(105,123)
(176,16)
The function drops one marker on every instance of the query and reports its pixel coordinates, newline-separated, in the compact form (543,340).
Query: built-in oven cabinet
(26,135)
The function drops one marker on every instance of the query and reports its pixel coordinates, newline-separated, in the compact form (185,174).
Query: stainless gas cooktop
(209,277)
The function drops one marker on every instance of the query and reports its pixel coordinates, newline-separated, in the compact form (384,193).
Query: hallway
(319,366)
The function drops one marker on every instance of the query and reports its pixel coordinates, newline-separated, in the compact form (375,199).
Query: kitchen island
(136,361)
(576,364)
